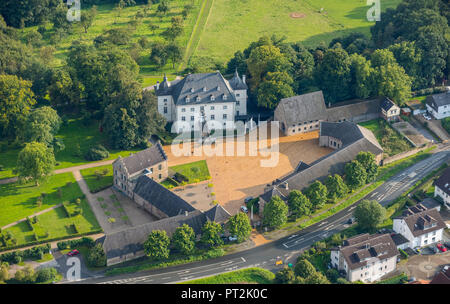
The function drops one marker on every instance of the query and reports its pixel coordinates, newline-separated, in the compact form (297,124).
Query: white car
(426,116)
(244,209)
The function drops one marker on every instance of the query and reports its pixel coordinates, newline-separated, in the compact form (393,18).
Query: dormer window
(204,89)
(213,98)
(192,90)
(188,99)
(198,98)
(218,88)
(224,97)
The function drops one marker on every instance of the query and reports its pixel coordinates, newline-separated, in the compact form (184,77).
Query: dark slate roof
(301,108)
(195,86)
(399,239)
(422,221)
(387,104)
(430,203)
(438,100)
(217,214)
(144,159)
(334,163)
(131,240)
(347,132)
(442,277)
(160,197)
(353,108)
(237,83)
(274,191)
(443,182)
(301,166)
(360,250)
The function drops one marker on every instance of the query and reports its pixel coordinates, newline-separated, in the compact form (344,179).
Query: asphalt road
(288,248)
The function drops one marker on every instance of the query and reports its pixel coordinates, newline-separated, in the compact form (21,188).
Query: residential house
(389,110)
(200,99)
(443,277)
(365,257)
(439,105)
(442,187)
(421,226)
(151,162)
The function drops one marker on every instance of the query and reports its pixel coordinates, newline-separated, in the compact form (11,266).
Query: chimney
(157,85)
(186,213)
(243,78)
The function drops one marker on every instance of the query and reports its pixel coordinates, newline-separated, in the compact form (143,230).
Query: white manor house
(200,99)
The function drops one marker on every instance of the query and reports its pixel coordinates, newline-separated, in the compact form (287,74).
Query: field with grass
(77,138)
(392,142)
(234,24)
(98,178)
(56,224)
(109,18)
(195,172)
(249,275)
(18,201)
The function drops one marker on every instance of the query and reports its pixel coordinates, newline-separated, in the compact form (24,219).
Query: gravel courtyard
(236,177)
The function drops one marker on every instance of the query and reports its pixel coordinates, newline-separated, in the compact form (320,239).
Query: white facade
(444,196)
(423,240)
(443,111)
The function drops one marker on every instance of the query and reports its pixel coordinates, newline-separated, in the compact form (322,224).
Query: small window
(192,118)
(183,118)
(224,116)
(213,117)
(225,107)
(212,108)
(165,110)
(183,110)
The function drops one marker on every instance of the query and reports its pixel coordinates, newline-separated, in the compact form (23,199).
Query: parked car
(426,116)
(441,247)
(417,250)
(434,249)
(351,220)
(248,199)
(232,238)
(73,253)
(447,244)
(244,209)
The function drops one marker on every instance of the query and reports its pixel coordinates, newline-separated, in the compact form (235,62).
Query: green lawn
(74,134)
(195,172)
(96,180)
(234,24)
(18,201)
(392,142)
(57,224)
(108,18)
(249,275)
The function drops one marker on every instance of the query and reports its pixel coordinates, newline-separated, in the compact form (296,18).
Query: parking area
(408,131)
(424,266)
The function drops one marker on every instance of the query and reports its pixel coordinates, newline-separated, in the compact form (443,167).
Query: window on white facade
(212,108)
(165,110)
(183,110)
(224,116)
(192,118)
(192,109)
(225,107)
(183,118)
(213,117)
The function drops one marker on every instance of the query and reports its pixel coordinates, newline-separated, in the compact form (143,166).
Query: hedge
(84,241)
(403,252)
(15,257)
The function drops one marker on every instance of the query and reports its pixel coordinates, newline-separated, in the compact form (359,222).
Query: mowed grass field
(75,134)
(233,24)
(196,171)
(98,182)
(18,201)
(249,275)
(57,224)
(108,18)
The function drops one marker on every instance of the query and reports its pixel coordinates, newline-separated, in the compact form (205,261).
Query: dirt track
(236,177)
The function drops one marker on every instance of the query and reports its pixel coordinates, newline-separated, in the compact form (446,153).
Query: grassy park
(195,172)
(234,24)
(18,201)
(98,178)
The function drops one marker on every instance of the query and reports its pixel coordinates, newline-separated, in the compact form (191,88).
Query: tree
(367,160)
(333,75)
(362,83)
(211,233)
(336,187)
(239,226)
(46,275)
(299,204)
(97,256)
(153,27)
(174,53)
(87,18)
(355,174)
(274,87)
(163,8)
(175,30)
(275,212)
(317,194)
(46,53)
(4,271)
(183,239)
(409,57)
(159,54)
(26,274)
(65,91)
(390,78)
(369,214)
(43,124)
(157,245)
(285,276)
(35,162)
(316,278)
(304,268)
(16,100)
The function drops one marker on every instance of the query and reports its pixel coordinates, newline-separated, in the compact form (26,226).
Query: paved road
(287,248)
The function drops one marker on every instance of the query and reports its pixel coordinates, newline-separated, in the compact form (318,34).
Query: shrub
(97,152)
(46,275)
(97,256)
